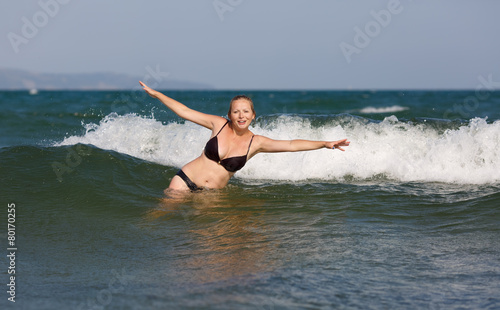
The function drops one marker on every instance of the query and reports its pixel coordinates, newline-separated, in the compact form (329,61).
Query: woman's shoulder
(219,121)
(258,140)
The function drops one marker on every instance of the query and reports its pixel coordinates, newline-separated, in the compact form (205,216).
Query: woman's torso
(206,172)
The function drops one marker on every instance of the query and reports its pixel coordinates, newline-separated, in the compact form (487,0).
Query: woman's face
(241,113)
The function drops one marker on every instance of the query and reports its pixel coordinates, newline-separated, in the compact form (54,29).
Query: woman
(232,144)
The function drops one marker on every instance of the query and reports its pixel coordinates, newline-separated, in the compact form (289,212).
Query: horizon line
(369,89)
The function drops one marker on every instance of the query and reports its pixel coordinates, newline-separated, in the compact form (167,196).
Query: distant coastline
(15,79)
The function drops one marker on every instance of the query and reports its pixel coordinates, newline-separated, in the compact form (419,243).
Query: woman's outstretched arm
(267,145)
(203,119)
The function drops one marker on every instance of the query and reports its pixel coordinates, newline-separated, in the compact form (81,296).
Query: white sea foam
(397,150)
(170,144)
(391,109)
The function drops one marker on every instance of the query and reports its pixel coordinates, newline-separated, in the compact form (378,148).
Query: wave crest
(402,151)
(391,109)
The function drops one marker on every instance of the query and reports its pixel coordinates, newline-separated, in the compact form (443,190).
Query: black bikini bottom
(193,187)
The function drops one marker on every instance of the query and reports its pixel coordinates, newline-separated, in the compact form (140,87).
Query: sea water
(407,217)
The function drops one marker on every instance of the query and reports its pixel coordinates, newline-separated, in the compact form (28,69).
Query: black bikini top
(231,164)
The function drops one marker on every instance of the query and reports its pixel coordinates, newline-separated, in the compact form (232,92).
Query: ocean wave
(468,153)
(391,109)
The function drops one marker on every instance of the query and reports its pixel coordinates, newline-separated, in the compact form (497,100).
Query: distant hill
(14,79)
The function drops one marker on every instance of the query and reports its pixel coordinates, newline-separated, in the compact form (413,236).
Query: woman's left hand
(153,93)
(337,144)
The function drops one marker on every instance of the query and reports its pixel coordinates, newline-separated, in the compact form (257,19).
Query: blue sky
(261,44)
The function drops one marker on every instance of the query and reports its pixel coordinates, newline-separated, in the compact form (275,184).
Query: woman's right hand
(205,120)
(153,93)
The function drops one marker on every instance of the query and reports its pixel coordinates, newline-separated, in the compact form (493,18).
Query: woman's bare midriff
(207,173)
